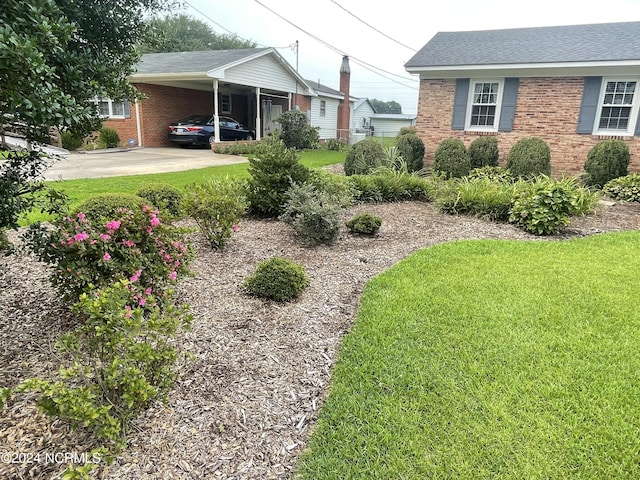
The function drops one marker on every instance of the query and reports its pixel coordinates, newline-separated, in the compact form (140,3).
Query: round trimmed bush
(277,279)
(364,224)
(606,160)
(163,196)
(106,206)
(411,147)
(363,157)
(529,157)
(452,159)
(483,152)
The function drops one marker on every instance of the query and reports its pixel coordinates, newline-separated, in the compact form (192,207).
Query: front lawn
(81,189)
(490,359)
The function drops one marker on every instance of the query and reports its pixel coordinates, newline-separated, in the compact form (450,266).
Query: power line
(372,27)
(362,63)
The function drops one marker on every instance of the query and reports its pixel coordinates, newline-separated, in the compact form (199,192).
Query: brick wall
(546,107)
(126,127)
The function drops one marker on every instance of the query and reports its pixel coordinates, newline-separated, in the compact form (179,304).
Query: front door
(270,114)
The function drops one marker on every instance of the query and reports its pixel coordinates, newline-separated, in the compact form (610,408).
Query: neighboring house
(389,124)
(361,116)
(253,85)
(572,86)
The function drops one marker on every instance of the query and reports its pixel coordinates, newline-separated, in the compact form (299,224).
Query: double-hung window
(225,103)
(617,107)
(110,109)
(323,108)
(483,107)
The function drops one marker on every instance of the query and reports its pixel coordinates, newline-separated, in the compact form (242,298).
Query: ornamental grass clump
(277,279)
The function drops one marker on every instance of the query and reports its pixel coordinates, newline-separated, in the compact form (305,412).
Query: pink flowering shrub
(135,246)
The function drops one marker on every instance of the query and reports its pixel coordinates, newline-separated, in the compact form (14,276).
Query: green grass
(490,359)
(81,189)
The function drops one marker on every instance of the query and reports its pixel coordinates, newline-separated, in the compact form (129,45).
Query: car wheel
(212,139)
(249,137)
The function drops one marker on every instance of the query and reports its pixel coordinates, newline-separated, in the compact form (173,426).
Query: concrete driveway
(137,161)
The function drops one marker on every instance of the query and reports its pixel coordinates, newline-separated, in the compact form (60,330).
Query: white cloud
(410,22)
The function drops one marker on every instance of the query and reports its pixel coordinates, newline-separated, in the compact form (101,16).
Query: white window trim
(110,103)
(323,108)
(631,126)
(222,103)
(496,123)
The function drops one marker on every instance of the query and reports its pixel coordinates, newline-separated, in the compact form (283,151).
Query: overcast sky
(327,29)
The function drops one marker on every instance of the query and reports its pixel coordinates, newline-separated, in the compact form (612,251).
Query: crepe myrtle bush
(133,246)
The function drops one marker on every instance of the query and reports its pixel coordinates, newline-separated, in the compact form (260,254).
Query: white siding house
(361,115)
(324,109)
(389,124)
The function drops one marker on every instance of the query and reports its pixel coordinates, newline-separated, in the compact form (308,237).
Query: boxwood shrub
(529,157)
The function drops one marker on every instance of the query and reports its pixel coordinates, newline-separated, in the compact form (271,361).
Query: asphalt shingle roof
(571,43)
(191,62)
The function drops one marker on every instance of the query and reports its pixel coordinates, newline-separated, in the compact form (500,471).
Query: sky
(380,37)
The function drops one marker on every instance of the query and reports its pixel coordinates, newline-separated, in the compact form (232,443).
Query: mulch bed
(257,372)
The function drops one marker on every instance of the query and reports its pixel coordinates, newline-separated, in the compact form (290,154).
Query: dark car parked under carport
(199,130)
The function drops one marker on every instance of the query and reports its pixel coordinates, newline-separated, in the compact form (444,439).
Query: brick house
(253,85)
(572,86)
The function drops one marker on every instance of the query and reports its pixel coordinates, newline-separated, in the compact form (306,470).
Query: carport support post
(216,118)
(258,123)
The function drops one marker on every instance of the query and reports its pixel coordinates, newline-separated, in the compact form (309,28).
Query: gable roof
(192,62)
(362,101)
(605,42)
(323,89)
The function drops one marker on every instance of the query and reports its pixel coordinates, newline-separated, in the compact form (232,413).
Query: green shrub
(481,197)
(495,174)
(335,145)
(108,205)
(243,148)
(338,186)
(273,170)
(406,131)
(529,157)
(108,138)
(606,160)
(296,132)
(71,140)
(483,152)
(390,187)
(315,215)
(364,156)
(277,279)
(412,150)
(451,159)
(544,206)
(131,245)
(164,196)
(364,224)
(625,188)
(216,206)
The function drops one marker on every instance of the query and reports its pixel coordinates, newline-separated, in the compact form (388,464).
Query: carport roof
(194,62)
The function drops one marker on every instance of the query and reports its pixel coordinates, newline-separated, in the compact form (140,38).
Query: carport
(251,85)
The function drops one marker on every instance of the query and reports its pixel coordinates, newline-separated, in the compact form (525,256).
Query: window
(484,105)
(323,108)
(110,109)
(225,103)
(617,107)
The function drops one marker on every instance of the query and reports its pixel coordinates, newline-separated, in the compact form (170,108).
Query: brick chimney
(344,112)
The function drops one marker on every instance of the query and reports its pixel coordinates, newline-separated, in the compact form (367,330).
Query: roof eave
(526,69)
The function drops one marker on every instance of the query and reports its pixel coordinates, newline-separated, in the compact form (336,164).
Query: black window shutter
(508,109)
(589,104)
(127,109)
(460,103)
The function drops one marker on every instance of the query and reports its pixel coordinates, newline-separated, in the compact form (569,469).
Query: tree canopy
(386,107)
(58,56)
(183,33)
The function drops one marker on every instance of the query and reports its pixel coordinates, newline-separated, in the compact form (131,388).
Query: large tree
(183,33)
(386,107)
(56,57)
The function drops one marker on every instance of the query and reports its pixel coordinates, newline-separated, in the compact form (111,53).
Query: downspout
(216,118)
(138,125)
